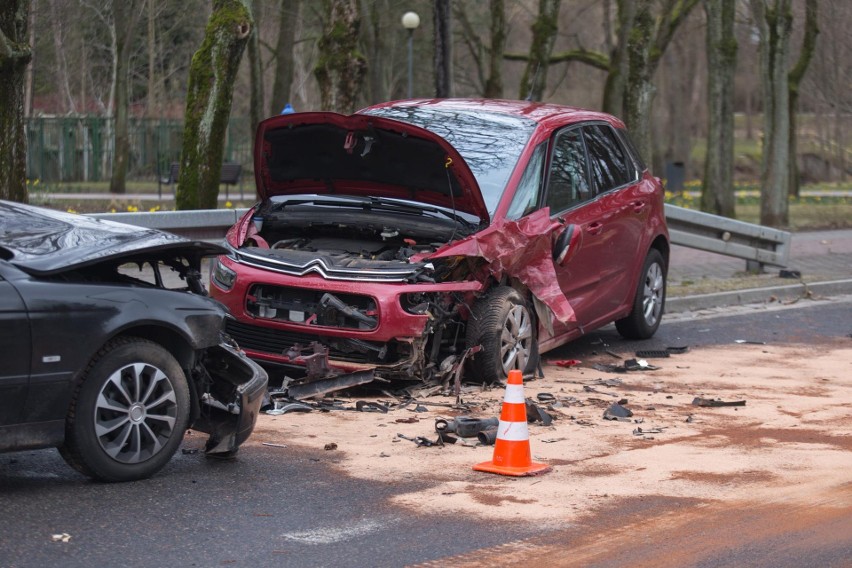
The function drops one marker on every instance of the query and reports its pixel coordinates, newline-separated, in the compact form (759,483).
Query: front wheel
(503,324)
(644,318)
(128,416)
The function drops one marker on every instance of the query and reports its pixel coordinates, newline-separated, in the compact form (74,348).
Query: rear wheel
(503,324)
(128,416)
(649,301)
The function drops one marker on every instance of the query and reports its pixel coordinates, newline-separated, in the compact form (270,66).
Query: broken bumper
(228,410)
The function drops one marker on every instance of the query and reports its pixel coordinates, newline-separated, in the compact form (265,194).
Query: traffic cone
(512,447)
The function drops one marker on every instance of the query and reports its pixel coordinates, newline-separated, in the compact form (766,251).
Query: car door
(15,356)
(624,210)
(570,195)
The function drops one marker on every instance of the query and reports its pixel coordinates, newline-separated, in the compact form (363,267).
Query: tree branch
(674,12)
(594,58)
(808,45)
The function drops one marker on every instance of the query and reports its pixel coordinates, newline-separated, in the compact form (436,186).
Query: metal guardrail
(201,224)
(756,244)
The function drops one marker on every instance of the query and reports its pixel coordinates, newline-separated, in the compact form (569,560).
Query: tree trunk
(794,79)
(774,22)
(443,48)
(208,103)
(255,77)
(616,79)
(153,98)
(126,15)
(544,31)
(373,38)
(61,77)
(15,54)
(494,83)
(284,64)
(717,194)
(341,68)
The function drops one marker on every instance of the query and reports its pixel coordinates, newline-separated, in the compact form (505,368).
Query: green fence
(80,148)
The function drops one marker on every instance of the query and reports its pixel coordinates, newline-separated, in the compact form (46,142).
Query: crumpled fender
(524,250)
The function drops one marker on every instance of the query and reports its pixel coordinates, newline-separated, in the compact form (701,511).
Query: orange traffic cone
(512,448)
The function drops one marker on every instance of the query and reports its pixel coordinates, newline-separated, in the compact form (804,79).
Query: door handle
(638,206)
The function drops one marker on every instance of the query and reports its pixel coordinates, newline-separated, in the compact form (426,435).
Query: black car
(110,348)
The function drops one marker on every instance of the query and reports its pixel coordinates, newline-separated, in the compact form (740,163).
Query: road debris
(618,412)
(419,440)
(271,445)
(465,426)
(61,537)
(565,362)
(653,353)
(749,342)
(330,446)
(710,403)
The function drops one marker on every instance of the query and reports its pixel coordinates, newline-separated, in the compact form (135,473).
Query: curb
(756,295)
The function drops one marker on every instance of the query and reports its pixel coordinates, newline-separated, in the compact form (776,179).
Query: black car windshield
(490,143)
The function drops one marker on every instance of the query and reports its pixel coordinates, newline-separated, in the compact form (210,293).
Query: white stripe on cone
(514,394)
(513,431)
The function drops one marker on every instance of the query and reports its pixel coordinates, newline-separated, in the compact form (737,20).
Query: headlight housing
(223,276)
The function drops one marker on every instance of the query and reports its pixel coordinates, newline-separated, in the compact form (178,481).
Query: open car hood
(44,242)
(329,153)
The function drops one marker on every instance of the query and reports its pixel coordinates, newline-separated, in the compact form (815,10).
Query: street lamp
(410,21)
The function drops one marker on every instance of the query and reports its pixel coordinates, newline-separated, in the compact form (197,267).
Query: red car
(429,238)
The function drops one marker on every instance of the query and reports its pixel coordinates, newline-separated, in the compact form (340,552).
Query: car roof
(542,113)
(43,241)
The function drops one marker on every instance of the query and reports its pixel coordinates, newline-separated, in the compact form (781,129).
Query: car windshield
(489,142)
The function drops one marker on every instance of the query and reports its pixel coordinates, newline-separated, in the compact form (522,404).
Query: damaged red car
(422,240)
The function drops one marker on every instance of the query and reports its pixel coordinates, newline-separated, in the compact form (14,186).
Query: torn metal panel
(522,249)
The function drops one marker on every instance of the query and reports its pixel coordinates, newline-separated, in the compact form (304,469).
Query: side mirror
(567,244)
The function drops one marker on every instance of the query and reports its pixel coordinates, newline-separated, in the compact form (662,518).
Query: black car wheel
(503,324)
(648,303)
(129,413)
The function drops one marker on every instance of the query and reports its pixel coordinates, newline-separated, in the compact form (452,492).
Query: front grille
(277,342)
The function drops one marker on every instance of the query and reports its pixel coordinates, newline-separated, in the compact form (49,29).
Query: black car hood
(328,153)
(43,242)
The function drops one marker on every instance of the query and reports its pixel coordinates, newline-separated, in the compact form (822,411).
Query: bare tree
(15,54)
(486,56)
(717,194)
(643,36)
(208,103)
(774,20)
(126,15)
(544,31)
(255,76)
(284,62)
(443,48)
(341,67)
(794,79)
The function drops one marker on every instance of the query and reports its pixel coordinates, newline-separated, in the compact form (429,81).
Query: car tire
(648,301)
(504,325)
(129,413)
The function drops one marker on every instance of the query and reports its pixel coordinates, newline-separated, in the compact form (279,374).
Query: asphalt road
(264,510)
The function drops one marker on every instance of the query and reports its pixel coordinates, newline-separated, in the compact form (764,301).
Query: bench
(231,175)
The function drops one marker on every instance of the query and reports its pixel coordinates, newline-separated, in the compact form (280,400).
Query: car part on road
(618,412)
(465,426)
(487,437)
(653,354)
(710,403)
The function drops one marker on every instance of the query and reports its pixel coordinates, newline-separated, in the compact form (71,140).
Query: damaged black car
(111,348)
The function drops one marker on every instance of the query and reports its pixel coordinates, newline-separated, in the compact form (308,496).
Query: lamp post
(410,21)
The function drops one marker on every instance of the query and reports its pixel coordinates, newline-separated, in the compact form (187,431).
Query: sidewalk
(699,280)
